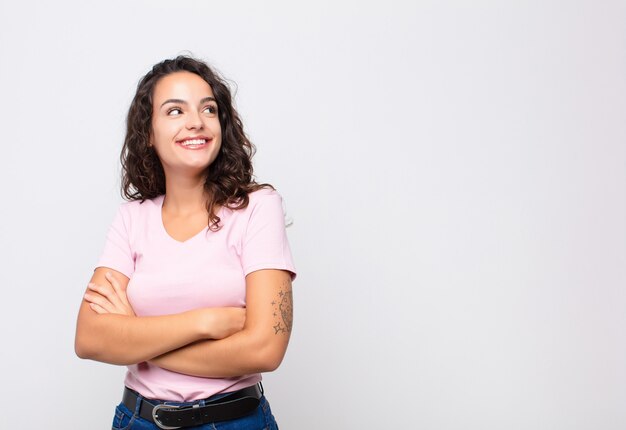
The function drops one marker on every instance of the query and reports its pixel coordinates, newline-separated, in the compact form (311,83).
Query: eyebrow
(183,102)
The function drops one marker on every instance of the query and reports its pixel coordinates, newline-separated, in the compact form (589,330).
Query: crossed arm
(209,342)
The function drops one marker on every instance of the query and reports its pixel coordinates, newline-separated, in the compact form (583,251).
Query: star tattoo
(278,329)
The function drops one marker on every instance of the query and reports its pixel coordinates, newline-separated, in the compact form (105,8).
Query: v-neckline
(165,230)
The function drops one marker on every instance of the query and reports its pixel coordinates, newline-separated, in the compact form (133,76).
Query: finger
(106,291)
(121,293)
(115,303)
(117,287)
(97,308)
(101,301)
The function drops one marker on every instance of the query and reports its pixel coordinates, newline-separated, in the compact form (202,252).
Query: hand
(110,298)
(219,323)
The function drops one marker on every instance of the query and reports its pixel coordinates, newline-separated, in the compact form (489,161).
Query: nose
(194,121)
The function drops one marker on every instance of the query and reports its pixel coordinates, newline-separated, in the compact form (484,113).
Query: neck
(184,195)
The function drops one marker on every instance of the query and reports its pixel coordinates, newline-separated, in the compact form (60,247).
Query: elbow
(90,344)
(82,353)
(90,351)
(82,347)
(84,338)
(85,342)
(270,364)
(269,357)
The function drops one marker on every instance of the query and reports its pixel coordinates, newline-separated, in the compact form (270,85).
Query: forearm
(243,353)
(259,347)
(107,329)
(119,339)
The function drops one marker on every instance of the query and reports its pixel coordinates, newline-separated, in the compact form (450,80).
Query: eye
(210,109)
(174,111)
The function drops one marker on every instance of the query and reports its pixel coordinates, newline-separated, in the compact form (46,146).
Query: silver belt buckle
(156,419)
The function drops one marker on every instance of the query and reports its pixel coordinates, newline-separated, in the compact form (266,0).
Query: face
(186,131)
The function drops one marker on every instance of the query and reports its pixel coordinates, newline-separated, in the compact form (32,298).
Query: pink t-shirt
(207,270)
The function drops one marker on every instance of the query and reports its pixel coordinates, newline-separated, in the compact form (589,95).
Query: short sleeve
(265,244)
(117,253)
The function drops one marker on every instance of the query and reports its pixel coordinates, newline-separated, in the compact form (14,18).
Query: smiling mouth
(194,143)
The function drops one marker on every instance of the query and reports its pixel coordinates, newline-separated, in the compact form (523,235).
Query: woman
(193,289)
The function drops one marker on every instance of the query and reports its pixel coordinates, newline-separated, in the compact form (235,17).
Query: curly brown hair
(230,177)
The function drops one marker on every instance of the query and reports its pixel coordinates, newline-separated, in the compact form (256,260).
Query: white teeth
(193,142)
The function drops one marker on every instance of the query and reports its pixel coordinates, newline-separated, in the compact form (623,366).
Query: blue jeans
(260,419)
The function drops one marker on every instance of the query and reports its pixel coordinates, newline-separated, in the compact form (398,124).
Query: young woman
(193,289)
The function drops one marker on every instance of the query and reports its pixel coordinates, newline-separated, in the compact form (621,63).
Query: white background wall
(456,172)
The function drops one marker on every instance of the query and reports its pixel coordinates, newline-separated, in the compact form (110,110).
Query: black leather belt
(166,416)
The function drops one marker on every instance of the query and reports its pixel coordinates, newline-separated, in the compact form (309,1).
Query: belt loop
(138,404)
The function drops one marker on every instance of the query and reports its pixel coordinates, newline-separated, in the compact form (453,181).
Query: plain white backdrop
(456,173)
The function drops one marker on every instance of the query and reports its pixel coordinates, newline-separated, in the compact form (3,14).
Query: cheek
(217,128)
(163,133)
